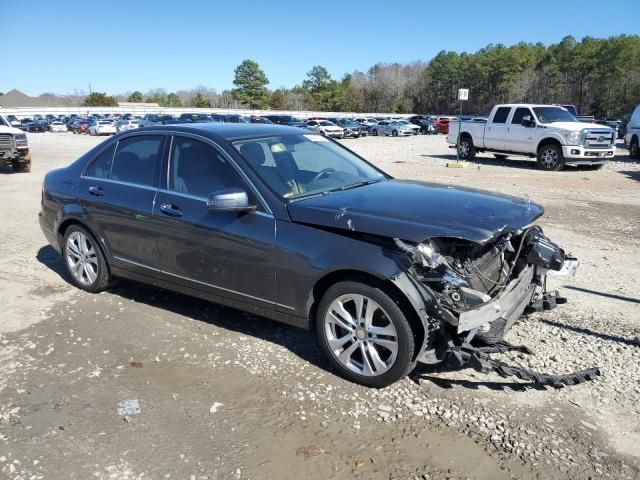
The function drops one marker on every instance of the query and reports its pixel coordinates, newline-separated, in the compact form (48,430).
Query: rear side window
(137,158)
(101,166)
(501,115)
(519,114)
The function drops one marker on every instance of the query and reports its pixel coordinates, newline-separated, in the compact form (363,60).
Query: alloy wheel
(549,158)
(82,259)
(361,335)
(464,149)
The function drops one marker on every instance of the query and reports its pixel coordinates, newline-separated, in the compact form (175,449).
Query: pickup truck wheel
(550,157)
(466,149)
(22,167)
(365,334)
(634,150)
(84,260)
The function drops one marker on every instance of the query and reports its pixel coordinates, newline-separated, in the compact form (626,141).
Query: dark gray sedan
(290,225)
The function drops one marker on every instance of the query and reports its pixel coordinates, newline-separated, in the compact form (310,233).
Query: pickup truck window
(553,114)
(501,115)
(519,114)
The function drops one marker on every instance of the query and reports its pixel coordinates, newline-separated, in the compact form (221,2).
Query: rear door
(496,130)
(229,254)
(118,190)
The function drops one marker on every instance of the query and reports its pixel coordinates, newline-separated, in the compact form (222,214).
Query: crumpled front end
(474,291)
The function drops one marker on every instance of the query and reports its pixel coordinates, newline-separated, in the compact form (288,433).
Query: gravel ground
(224,394)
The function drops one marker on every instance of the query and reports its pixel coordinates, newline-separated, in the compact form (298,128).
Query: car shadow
(299,341)
(633,175)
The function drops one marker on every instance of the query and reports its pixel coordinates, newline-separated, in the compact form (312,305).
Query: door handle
(171,210)
(96,190)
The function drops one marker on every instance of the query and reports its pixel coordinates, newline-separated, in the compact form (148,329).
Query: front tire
(365,334)
(394,133)
(550,158)
(84,260)
(23,167)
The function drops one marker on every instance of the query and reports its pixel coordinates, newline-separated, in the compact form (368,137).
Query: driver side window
(198,169)
(519,114)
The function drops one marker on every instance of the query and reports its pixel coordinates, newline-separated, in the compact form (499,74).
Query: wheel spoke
(345,356)
(91,275)
(390,345)
(73,249)
(387,331)
(77,269)
(338,343)
(367,369)
(342,323)
(370,310)
(378,364)
(358,300)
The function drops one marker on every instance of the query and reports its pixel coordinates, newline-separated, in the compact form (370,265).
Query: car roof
(231,131)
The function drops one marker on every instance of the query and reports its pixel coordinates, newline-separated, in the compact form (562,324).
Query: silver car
(391,127)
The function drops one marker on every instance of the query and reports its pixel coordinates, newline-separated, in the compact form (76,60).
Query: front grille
(6,142)
(599,139)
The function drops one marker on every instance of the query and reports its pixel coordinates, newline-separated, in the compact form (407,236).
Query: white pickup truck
(14,147)
(548,133)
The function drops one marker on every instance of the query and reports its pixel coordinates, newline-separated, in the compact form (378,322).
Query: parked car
(79,125)
(24,122)
(581,118)
(283,119)
(292,226)
(443,123)
(326,128)
(414,128)
(195,117)
(153,119)
(13,121)
(257,119)
(14,147)
(366,122)
(548,133)
(57,127)
(632,133)
(391,127)
(40,126)
(350,128)
(102,127)
(125,125)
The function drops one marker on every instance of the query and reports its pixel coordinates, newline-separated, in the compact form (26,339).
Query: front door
(520,138)
(228,254)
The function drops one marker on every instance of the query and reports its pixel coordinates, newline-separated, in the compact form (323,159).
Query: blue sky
(117,46)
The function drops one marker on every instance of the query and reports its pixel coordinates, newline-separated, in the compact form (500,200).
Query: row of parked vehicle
(97,124)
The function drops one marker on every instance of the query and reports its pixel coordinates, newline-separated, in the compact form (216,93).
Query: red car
(443,123)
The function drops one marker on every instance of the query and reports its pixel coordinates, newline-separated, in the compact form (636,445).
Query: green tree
(99,99)
(251,83)
(173,100)
(321,91)
(200,101)
(277,101)
(135,97)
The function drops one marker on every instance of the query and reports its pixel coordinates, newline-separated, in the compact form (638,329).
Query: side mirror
(229,200)
(527,121)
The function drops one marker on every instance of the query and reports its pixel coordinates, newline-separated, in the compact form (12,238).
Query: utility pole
(463,95)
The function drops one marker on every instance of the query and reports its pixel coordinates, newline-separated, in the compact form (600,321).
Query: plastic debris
(129,407)
(214,408)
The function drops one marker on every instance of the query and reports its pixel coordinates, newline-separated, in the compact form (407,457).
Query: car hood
(575,126)
(11,130)
(416,211)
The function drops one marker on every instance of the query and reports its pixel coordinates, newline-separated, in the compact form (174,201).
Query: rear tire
(374,346)
(84,261)
(550,157)
(466,149)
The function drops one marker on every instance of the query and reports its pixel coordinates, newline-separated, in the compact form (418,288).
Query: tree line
(600,76)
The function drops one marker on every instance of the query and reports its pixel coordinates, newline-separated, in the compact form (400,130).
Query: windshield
(296,166)
(326,123)
(553,114)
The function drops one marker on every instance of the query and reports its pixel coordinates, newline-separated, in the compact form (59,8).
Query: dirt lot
(225,395)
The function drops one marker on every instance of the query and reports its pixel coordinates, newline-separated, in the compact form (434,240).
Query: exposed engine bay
(476,292)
